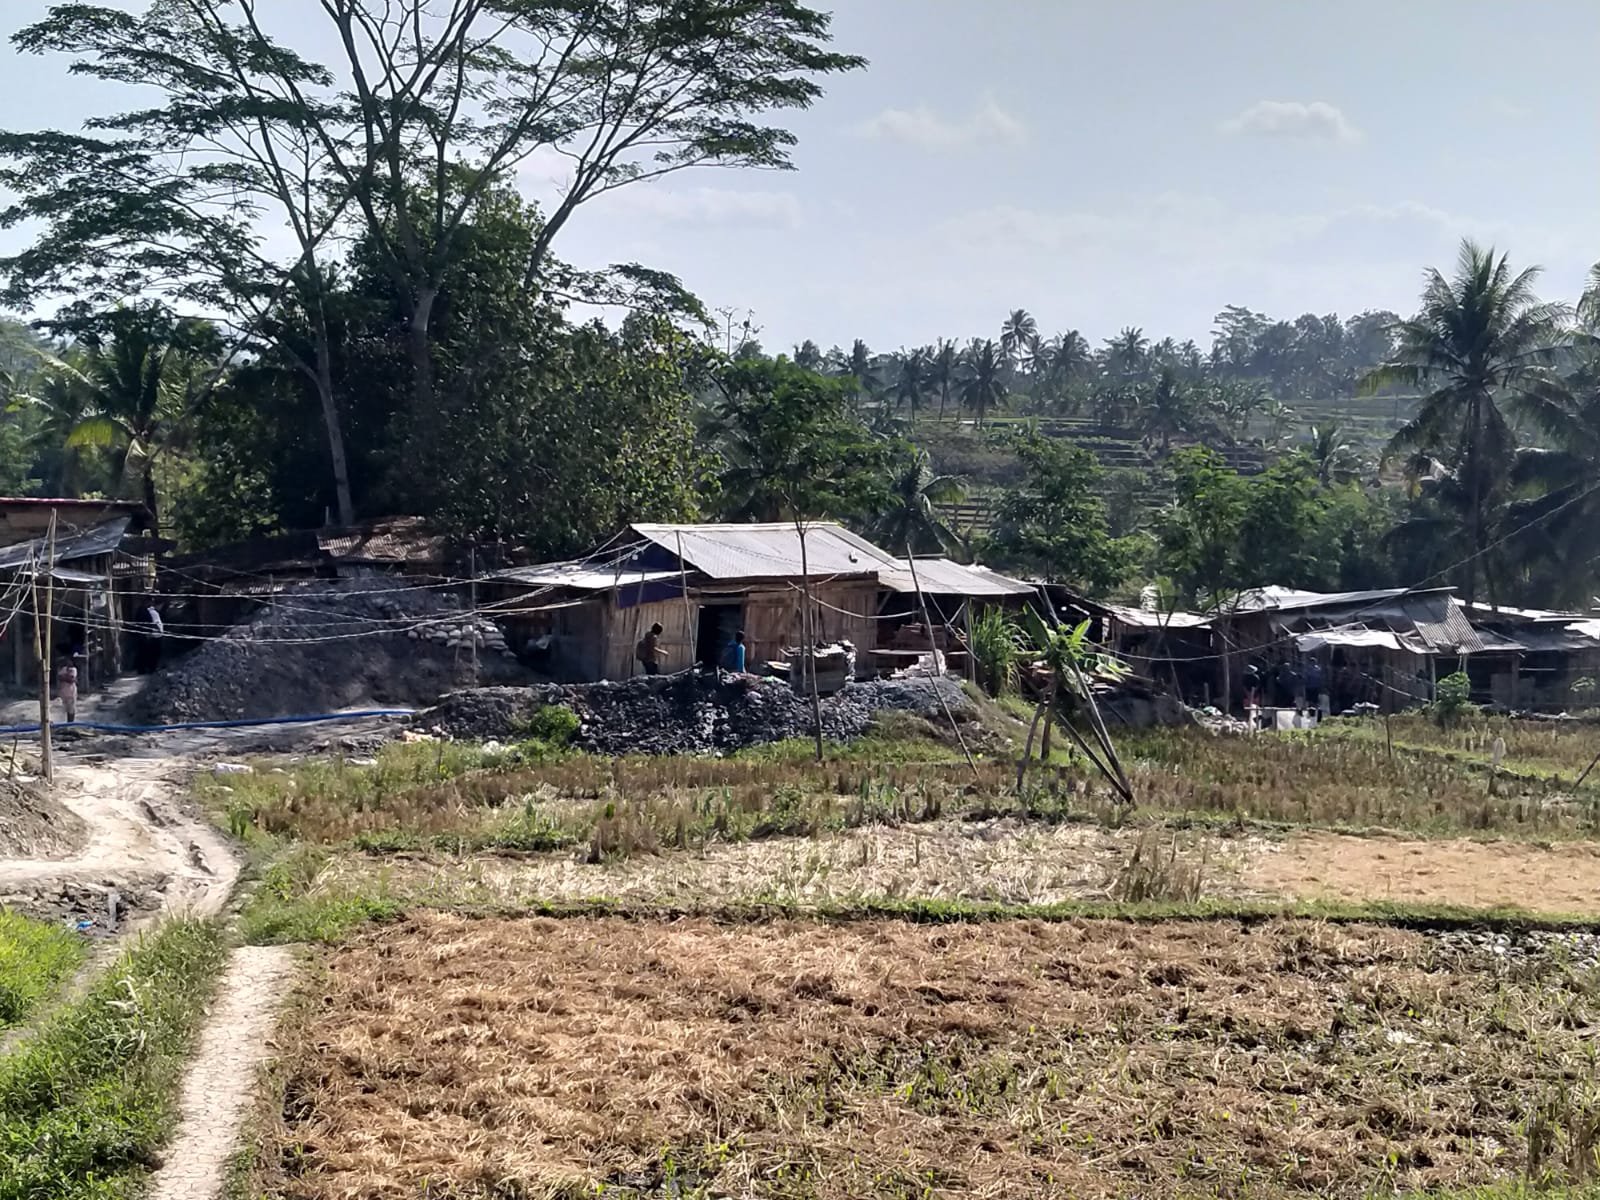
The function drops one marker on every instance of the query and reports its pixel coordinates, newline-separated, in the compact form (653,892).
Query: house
(94,570)
(1386,647)
(702,583)
(1550,660)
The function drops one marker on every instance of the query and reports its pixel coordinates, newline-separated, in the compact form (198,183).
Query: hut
(703,583)
(93,568)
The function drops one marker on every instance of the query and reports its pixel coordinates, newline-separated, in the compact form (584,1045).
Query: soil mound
(35,825)
(689,713)
(326,647)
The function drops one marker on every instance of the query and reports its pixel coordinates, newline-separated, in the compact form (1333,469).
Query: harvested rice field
(451,1057)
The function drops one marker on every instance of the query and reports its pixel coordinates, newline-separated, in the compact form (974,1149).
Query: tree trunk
(330,417)
(150,495)
(417,349)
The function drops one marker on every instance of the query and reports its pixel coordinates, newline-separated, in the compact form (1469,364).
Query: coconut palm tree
(944,371)
(1482,340)
(983,383)
(911,518)
(1017,330)
(911,380)
(123,392)
(1128,353)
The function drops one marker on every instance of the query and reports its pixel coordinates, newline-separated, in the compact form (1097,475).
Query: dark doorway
(718,624)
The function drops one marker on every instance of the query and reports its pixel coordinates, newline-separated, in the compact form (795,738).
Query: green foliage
(86,1102)
(1054,522)
(1226,532)
(35,960)
(1452,698)
(791,447)
(550,727)
(997,646)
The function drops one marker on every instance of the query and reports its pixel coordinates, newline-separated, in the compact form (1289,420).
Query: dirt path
(220,1082)
(141,845)
(1561,877)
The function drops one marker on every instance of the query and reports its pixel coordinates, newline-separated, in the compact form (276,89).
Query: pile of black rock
(687,713)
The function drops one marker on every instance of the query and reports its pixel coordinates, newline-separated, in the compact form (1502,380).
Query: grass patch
(892,1059)
(35,961)
(86,1102)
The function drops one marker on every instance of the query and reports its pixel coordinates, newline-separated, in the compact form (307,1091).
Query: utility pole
(41,647)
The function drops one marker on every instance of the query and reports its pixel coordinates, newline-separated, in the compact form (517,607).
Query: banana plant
(1073,661)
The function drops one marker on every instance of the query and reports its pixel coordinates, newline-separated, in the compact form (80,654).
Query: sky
(1126,162)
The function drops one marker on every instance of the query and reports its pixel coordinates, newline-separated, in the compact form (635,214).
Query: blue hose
(241,724)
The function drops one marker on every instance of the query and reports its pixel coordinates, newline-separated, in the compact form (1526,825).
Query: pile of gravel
(688,713)
(1576,948)
(324,647)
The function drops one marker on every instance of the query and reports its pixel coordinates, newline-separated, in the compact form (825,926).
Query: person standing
(734,658)
(650,652)
(152,629)
(67,689)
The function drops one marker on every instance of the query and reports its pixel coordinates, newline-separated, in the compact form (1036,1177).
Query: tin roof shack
(952,591)
(702,584)
(1552,660)
(94,575)
(1383,647)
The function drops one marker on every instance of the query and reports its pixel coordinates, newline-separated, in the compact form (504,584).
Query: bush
(996,649)
(1452,698)
(553,725)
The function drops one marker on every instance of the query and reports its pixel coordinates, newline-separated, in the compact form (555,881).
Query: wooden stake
(809,650)
(690,634)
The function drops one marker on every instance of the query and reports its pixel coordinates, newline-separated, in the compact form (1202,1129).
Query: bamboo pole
(690,635)
(808,658)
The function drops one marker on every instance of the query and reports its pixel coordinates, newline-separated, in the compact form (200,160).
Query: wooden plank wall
(772,619)
(624,627)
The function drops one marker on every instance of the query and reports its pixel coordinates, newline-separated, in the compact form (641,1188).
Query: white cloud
(1316,121)
(705,206)
(927,130)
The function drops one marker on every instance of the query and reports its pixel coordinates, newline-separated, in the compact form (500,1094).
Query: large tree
(1481,344)
(428,100)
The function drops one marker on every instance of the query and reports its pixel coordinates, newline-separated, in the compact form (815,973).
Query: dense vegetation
(414,350)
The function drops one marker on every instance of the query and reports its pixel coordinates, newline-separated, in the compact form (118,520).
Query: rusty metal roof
(770,550)
(395,540)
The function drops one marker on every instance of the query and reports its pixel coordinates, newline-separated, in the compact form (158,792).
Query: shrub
(996,649)
(1452,698)
(553,725)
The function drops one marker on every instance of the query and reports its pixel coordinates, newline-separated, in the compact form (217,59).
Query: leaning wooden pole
(808,652)
(938,668)
(42,648)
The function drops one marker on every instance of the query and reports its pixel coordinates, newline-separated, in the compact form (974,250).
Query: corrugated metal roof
(1281,599)
(396,540)
(942,577)
(1442,623)
(1382,639)
(100,539)
(1557,640)
(764,551)
(1506,615)
(581,577)
(1144,618)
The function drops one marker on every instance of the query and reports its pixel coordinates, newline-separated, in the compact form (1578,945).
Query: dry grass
(1005,861)
(454,1058)
(1562,748)
(1321,780)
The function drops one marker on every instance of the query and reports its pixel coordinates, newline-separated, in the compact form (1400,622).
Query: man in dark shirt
(650,651)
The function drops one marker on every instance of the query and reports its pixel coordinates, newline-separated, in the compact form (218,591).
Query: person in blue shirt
(733,659)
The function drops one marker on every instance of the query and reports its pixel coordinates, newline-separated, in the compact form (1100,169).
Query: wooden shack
(582,621)
(92,575)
